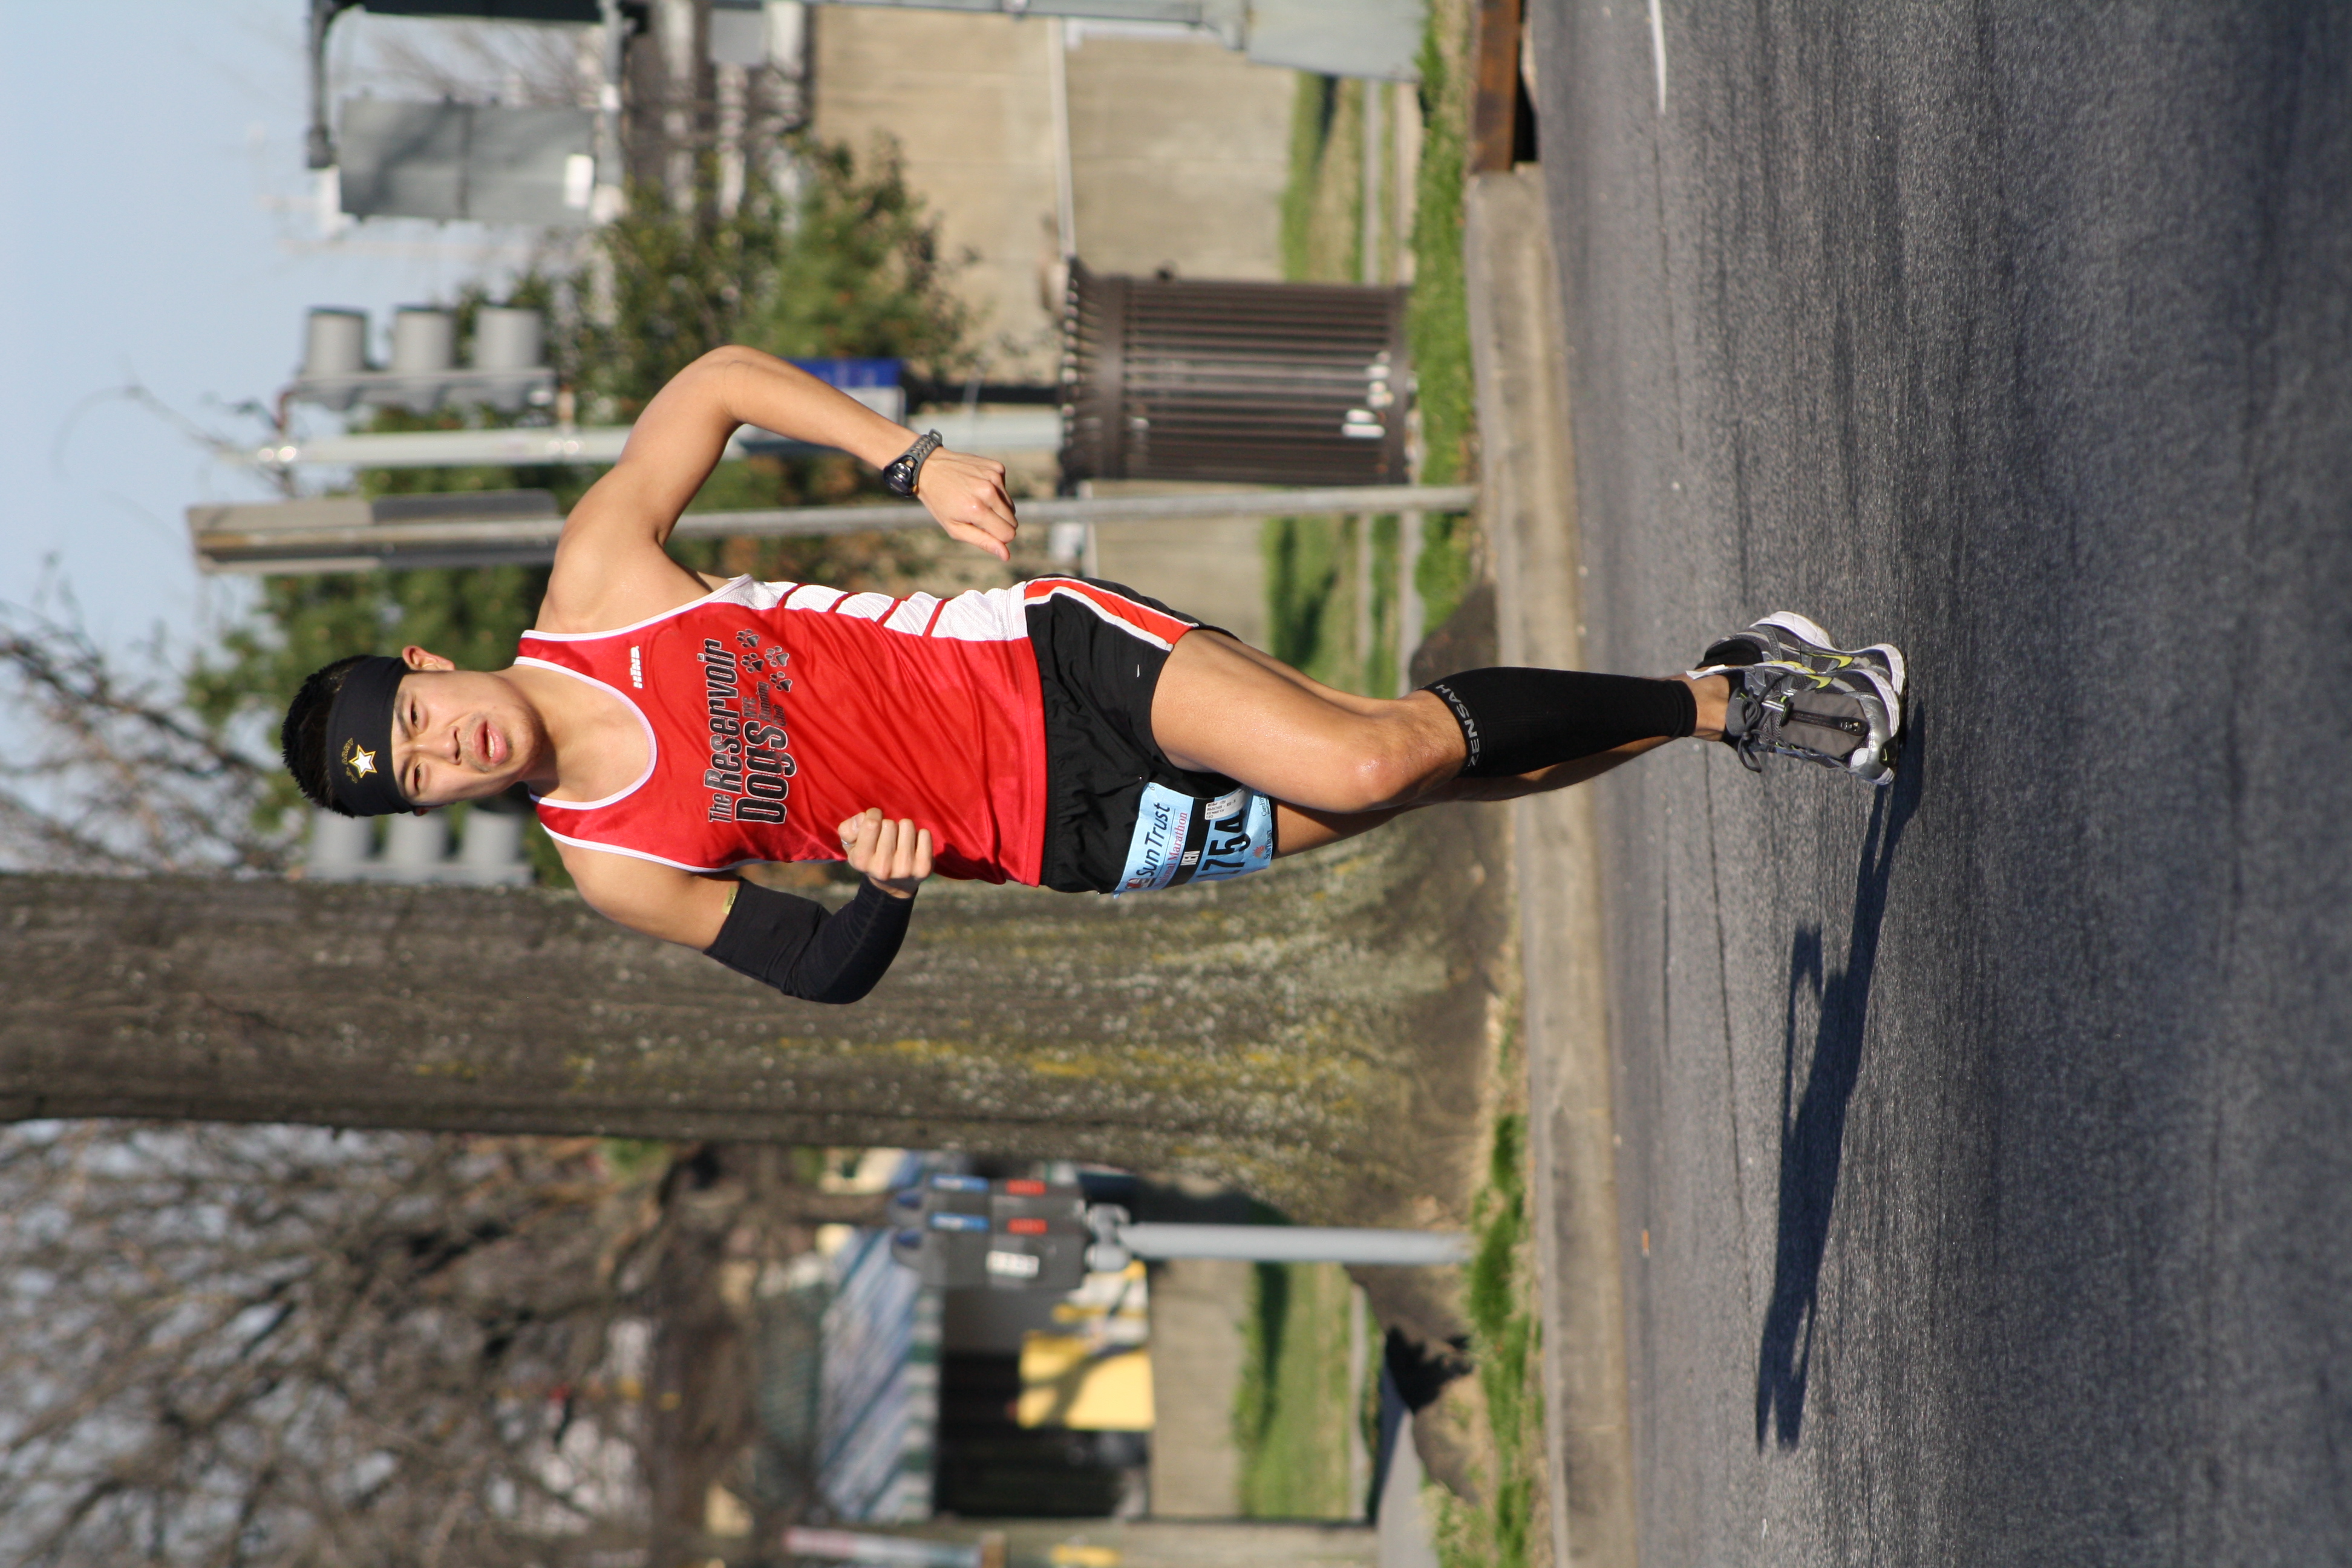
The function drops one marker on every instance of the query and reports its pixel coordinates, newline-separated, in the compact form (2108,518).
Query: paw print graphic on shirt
(747,639)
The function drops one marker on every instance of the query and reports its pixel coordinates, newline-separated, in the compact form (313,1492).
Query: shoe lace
(1751,724)
(1748,746)
(1761,715)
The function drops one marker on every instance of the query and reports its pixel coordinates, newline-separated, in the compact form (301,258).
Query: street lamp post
(1020,1234)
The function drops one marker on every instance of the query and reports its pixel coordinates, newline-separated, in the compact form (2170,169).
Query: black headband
(359,739)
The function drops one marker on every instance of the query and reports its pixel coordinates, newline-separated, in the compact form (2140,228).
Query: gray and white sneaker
(1787,635)
(1849,718)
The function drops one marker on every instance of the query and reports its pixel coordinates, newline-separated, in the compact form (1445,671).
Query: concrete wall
(964,97)
(1179,150)
(1198,1344)
(1179,146)
(1213,571)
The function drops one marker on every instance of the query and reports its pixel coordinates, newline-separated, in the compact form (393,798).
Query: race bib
(1181,838)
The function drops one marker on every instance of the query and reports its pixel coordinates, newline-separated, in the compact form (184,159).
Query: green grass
(1302,580)
(1437,318)
(1314,592)
(1311,574)
(1505,1341)
(1296,1405)
(1310,133)
(1377,673)
(1323,199)
(1315,589)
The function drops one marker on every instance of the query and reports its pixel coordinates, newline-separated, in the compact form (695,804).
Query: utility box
(736,32)
(1286,383)
(582,13)
(1377,38)
(484,161)
(964,1232)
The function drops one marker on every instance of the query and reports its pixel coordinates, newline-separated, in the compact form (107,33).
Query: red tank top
(775,710)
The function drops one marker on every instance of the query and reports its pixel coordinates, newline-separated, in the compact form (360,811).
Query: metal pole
(1184,13)
(321,145)
(1367,271)
(1368,268)
(1058,93)
(1298,1244)
(272,539)
(677,32)
(606,204)
(899,1551)
(733,92)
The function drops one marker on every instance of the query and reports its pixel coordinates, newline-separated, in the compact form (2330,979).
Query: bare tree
(265,1345)
(277,1346)
(113,773)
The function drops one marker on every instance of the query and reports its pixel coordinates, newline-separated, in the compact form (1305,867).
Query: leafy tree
(849,266)
(853,267)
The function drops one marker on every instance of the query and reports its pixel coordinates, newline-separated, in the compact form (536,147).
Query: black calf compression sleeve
(794,945)
(1517,721)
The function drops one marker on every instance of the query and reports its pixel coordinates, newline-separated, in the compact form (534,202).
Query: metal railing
(491,527)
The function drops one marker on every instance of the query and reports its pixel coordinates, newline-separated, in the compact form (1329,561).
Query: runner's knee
(1388,769)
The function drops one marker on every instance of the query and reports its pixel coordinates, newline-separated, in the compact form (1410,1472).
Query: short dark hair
(303,737)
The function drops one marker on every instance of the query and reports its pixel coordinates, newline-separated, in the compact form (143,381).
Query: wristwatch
(908,466)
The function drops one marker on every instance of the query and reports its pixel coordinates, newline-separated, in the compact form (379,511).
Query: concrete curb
(1528,500)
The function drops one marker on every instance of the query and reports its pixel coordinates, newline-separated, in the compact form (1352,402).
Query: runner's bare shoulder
(613,566)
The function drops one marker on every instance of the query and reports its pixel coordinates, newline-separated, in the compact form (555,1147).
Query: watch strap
(901,475)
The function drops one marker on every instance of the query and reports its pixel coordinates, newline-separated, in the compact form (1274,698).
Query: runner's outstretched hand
(966,494)
(895,856)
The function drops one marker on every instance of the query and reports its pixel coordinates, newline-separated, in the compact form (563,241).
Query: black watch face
(899,476)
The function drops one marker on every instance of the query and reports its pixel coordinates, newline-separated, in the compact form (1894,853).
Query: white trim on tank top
(652,746)
(644,854)
(976,615)
(724,593)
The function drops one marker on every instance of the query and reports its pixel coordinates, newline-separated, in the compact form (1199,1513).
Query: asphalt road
(1986,1172)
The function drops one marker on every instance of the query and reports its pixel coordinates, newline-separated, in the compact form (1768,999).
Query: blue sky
(159,229)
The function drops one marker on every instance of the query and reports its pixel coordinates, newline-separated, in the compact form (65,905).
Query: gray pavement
(1986,1176)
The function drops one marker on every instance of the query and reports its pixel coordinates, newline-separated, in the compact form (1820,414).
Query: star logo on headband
(358,761)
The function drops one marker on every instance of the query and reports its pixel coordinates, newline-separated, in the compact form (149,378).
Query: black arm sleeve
(794,945)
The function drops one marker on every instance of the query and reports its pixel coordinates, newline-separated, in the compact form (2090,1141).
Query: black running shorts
(1100,648)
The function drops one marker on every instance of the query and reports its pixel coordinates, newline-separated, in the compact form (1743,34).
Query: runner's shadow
(1812,1138)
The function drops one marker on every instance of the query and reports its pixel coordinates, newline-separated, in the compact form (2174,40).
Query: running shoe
(1849,718)
(1787,635)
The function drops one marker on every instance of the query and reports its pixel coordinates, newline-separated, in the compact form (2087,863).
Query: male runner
(1060,733)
